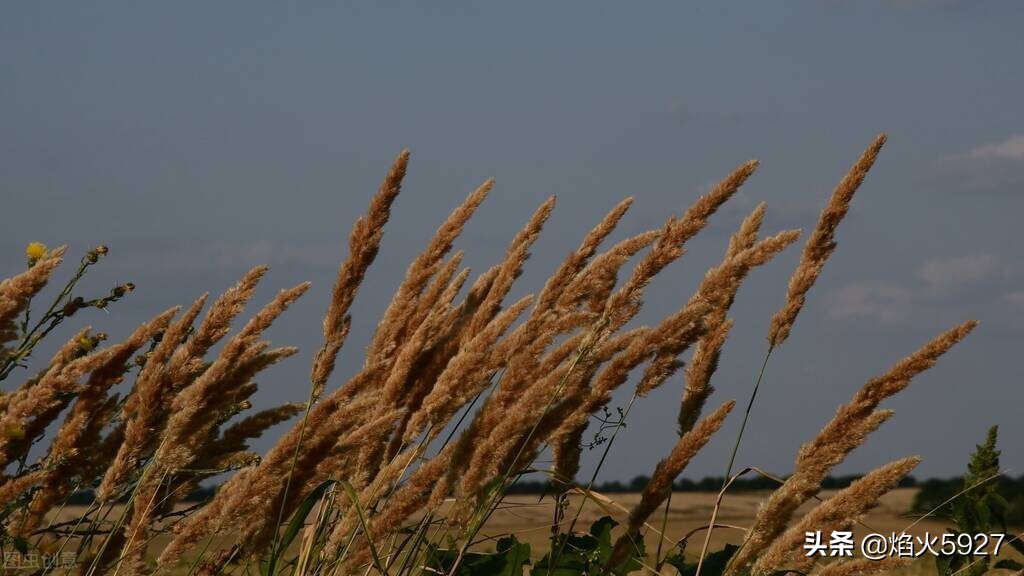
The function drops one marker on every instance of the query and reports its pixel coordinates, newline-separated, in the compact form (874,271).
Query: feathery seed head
(821,243)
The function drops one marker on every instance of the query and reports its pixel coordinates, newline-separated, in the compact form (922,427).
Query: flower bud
(120,291)
(73,306)
(94,255)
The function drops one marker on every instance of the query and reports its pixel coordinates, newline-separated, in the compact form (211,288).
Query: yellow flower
(86,343)
(35,250)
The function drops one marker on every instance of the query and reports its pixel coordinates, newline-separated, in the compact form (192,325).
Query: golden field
(528,517)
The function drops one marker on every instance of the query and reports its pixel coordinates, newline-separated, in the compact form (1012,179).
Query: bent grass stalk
(74,530)
(117,526)
(949,500)
(664,525)
(727,481)
(135,532)
(428,517)
(56,514)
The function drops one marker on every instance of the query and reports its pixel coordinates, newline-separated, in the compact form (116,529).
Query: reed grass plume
(821,243)
(363,244)
(847,430)
(665,474)
(837,513)
(462,390)
(17,292)
(704,361)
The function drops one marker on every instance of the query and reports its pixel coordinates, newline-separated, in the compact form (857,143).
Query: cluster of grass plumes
(459,393)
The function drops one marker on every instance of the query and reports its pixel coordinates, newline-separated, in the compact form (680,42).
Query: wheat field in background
(404,468)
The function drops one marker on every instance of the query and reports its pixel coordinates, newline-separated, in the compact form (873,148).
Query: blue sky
(198,139)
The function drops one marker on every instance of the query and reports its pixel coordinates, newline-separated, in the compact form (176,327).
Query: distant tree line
(638,483)
(932,492)
(706,484)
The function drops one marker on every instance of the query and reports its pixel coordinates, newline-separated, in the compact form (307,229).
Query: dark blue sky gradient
(198,139)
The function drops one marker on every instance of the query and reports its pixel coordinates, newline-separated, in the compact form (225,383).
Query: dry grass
(459,392)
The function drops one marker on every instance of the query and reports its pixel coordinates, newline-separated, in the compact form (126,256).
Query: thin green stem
(746,414)
(30,337)
(66,540)
(593,480)
(494,500)
(274,552)
(732,461)
(664,526)
(151,504)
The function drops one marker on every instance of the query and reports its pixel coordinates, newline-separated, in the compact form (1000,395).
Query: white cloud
(946,276)
(937,280)
(885,302)
(986,167)
(1010,149)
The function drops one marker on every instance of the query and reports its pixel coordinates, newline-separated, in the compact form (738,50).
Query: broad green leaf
(714,563)
(296,523)
(354,497)
(508,559)
(579,554)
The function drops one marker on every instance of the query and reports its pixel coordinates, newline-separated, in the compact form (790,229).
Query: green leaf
(633,559)
(575,554)
(508,559)
(514,555)
(296,523)
(354,497)
(983,513)
(299,517)
(1009,565)
(714,563)
(579,554)
(677,561)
